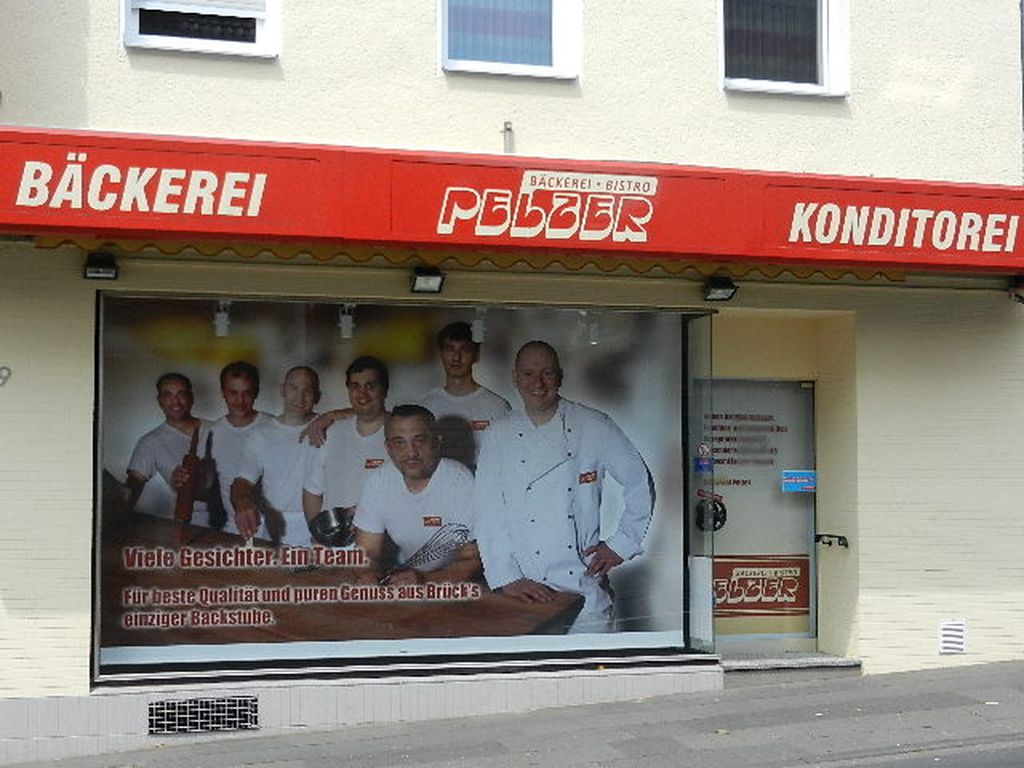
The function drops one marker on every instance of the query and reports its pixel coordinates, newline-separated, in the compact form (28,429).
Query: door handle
(830,539)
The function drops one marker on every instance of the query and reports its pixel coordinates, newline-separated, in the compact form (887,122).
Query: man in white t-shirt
(239,386)
(351,451)
(420,502)
(162,450)
(463,407)
(273,457)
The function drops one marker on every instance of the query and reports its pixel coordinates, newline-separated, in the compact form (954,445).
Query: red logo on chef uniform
(372,463)
(431,521)
(588,477)
(480,426)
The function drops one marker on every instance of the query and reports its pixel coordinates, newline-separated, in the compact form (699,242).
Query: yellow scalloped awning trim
(327,253)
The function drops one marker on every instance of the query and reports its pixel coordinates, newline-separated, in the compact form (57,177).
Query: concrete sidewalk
(790,720)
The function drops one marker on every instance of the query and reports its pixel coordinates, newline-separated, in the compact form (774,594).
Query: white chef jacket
(534,520)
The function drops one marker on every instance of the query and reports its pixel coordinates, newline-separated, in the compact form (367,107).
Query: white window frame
(833,57)
(267,14)
(566,43)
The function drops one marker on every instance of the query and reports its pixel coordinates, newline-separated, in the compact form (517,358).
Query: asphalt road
(971,717)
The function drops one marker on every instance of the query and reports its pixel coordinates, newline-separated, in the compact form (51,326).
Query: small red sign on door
(761,585)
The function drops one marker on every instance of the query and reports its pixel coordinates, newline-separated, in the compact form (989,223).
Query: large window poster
(258,504)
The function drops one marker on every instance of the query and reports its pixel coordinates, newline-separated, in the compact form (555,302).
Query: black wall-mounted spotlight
(1016,289)
(427,280)
(100,265)
(719,288)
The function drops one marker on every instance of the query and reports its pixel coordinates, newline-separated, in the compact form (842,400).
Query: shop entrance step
(743,669)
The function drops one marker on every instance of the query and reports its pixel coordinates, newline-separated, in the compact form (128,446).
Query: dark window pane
(772,40)
(202,26)
(510,31)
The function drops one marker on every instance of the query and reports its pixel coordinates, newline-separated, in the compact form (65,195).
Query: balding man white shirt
(537,495)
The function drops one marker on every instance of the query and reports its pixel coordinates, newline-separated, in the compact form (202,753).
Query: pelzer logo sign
(554,206)
(761,585)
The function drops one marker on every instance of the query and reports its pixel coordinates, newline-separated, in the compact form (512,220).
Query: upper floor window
(512,37)
(240,27)
(786,46)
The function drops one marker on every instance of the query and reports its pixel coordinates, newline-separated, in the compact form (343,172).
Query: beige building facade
(915,366)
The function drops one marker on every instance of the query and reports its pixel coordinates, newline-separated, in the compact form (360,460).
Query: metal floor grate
(236,713)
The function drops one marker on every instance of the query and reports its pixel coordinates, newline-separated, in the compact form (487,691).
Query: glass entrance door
(762,442)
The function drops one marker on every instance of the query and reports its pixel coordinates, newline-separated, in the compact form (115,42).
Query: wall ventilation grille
(237,713)
(953,637)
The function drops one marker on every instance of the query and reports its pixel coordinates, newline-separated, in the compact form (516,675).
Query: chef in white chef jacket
(537,495)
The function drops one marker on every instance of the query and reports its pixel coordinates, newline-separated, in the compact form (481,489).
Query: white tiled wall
(51,728)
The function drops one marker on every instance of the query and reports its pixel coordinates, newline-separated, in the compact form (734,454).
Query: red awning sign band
(127,186)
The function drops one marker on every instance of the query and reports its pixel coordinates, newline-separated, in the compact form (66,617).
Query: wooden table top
(279,601)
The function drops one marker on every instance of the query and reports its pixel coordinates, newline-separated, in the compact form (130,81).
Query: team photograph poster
(364,545)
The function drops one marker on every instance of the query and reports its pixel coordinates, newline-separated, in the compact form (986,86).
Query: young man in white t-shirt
(353,448)
(463,407)
(410,500)
(274,457)
(239,386)
(162,450)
